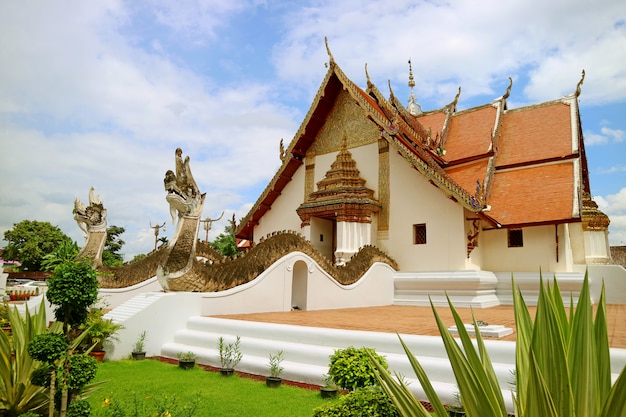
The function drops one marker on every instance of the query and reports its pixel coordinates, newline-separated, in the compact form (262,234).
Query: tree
(72,289)
(31,240)
(66,251)
(112,247)
(225,243)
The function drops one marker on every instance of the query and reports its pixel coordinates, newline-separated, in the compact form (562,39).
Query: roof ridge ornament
(413,107)
(330,54)
(580,83)
(367,76)
(508,89)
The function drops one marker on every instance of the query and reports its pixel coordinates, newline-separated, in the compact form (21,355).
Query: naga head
(183,194)
(91,218)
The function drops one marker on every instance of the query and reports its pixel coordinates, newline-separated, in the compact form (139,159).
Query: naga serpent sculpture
(92,220)
(177,264)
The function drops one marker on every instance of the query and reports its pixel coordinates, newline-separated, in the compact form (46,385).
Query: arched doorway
(299,285)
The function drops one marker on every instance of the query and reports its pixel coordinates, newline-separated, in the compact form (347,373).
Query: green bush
(351,368)
(41,376)
(79,408)
(364,402)
(83,370)
(29,414)
(47,347)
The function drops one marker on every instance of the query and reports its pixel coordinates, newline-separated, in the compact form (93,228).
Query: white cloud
(605,137)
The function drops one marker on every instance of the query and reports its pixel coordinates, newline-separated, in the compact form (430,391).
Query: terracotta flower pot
(98,354)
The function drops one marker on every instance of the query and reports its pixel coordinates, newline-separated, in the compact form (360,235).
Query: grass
(161,389)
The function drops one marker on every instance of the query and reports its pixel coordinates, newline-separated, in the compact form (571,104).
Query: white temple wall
(413,200)
(539,250)
(283,215)
(577,242)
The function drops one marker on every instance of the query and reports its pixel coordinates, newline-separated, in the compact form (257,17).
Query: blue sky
(101,93)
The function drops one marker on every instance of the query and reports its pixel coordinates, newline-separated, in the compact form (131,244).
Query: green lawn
(158,389)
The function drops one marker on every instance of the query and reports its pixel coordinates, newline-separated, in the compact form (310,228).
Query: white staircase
(135,305)
(307,350)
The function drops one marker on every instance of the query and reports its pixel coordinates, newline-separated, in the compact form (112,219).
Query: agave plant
(562,364)
(17,393)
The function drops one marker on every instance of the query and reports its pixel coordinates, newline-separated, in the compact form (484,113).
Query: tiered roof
(513,168)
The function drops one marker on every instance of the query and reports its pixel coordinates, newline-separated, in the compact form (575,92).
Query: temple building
(483,189)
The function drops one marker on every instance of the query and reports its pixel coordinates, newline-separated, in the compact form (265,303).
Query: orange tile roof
(466,175)
(535,133)
(470,133)
(538,194)
(433,121)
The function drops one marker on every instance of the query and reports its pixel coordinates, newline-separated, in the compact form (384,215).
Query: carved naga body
(186,203)
(92,220)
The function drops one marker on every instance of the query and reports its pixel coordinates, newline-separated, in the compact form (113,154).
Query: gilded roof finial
(283,152)
(367,76)
(411,79)
(580,83)
(391,96)
(456,98)
(330,55)
(414,108)
(508,89)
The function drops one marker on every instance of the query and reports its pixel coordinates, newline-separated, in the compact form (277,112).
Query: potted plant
(230,355)
(139,352)
(274,380)
(99,331)
(186,360)
(329,389)
(456,410)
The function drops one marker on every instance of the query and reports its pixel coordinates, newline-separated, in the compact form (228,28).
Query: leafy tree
(31,240)
(225,243)
(72,289)
(66,251)
(111,255)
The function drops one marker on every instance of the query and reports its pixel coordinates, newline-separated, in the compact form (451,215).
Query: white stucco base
(465,288)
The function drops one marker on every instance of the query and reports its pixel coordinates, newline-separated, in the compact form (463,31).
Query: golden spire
(414,108)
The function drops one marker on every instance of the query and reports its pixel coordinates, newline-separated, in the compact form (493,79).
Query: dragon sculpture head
(91,218)
(183,194)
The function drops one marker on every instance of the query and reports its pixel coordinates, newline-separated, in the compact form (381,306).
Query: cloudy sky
(102,93)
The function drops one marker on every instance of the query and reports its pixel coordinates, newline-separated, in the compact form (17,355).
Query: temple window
(419,234)
(516,238)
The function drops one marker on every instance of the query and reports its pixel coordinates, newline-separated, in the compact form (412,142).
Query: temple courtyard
(419,320)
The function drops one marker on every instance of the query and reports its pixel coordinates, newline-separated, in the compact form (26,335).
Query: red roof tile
(466,175)
(470,133)
(537,194)
(535,133)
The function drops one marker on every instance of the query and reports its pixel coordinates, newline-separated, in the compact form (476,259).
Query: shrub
(47,347)
(350,368)
(363,402)
(79,408)
(41,376)
(83,369)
